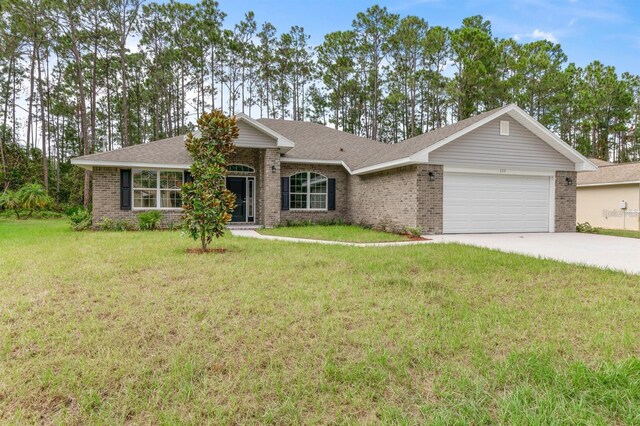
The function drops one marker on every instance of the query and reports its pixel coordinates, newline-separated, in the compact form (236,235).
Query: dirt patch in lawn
(416,237)
(200,250)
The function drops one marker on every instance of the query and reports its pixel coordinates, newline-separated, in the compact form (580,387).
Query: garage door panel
(477,203)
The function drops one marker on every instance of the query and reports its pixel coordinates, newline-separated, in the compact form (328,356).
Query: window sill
(165,209)
(308,210)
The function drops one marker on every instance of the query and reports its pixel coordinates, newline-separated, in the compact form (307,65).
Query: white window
(308,191)
(240,168)
(157,189)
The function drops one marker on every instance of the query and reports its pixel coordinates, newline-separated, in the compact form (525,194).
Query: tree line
(85,76)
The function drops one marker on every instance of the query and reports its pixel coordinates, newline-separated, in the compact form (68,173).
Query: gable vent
(504,128)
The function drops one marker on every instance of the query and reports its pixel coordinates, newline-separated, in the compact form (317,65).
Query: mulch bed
(208,250)
(416,238)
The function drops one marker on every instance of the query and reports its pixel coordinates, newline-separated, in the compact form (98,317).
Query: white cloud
(536,34)
(542,35)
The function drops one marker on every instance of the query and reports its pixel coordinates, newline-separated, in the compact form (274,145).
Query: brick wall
(565,202)
(106,190)
(385,199)
(106,200)
(342,191)
(430,197)
(270,187)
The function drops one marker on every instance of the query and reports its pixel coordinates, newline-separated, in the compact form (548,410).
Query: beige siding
(250,137)
(485,147)
(600,206)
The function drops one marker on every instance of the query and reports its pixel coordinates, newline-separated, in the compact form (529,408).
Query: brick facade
(430,198)
(269,187)
(342,190)
(566,202)
(106,200)
(386,199)
(393,199)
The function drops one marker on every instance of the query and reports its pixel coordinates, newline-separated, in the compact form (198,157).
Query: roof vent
(504,128)
(341,149)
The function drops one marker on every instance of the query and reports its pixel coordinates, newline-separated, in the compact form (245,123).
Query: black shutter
(284,193)
(187,177)
(331,202)
(125,189)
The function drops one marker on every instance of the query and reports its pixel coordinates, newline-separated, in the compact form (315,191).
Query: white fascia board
(384,166)
(283,143)
(629,182)
(89,164)
(308,161)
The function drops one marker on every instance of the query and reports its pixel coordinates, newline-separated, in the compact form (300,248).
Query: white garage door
(476,202)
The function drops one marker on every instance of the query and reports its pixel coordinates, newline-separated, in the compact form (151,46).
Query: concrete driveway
(603,251)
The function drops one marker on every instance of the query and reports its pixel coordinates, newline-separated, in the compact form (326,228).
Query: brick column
(430,198)
(270,187)
(565,202)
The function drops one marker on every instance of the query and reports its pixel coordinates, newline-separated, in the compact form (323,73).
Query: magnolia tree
(206,202)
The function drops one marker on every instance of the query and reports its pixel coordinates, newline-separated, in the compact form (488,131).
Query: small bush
(32,197)
(107,224)
(80,220)
(414,231)
(9,201)
(586,227)
(149,220)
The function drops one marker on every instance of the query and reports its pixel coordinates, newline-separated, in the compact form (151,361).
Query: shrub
(10,201)
(206,202)
(414,231)
(149,220)
(80,220)
(586,227)
(107,224)
(33,196)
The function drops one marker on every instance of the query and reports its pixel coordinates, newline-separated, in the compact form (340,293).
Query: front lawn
(346,233)
(629,233)
(112,328)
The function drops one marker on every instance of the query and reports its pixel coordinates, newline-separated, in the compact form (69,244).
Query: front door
(238,185)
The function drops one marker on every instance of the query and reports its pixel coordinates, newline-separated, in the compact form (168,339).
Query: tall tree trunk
(31,91)
(125,105)
(83,108)
(43,127)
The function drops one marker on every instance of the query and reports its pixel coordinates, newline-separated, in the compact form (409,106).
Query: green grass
(619,232)
(346,233)
(112,328)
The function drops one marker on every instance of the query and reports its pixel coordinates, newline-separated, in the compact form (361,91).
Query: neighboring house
(610,197)
(500,171)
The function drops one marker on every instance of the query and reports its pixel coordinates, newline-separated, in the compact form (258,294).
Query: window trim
(308,193)
(157,188)
(252,170)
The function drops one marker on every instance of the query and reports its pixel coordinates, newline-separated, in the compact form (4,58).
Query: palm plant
(32,197)
(9,201)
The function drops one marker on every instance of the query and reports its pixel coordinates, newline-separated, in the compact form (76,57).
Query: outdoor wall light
(273,169)
(569,181)
(432,176)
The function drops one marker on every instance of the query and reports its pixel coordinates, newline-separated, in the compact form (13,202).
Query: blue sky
(606,30)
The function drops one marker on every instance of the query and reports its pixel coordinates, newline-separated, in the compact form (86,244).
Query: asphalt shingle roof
(312,142)
(611,173)
(164,151)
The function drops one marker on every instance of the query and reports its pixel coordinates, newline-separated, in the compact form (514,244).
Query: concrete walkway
(603,251)
(253,234)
